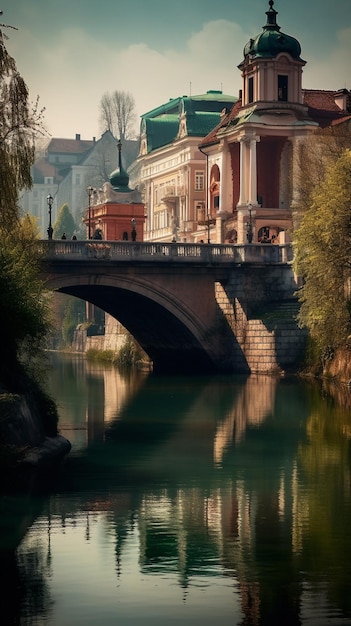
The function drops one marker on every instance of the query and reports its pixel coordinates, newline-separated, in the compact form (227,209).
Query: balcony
(173,191)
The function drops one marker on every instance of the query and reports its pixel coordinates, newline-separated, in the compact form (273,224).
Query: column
(223,191)
(253,173)
(243,194)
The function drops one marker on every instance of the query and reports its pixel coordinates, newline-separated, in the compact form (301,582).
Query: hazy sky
(70,52)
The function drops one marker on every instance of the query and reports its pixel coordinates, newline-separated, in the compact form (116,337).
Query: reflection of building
(171,170)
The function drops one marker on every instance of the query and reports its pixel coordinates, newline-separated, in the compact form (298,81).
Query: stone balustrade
(168,252)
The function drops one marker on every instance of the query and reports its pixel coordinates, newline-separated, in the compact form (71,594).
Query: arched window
(214,190)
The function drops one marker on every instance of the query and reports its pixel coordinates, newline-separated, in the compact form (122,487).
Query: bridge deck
(167,252)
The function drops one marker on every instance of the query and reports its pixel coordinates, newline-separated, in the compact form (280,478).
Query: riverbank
(29,442)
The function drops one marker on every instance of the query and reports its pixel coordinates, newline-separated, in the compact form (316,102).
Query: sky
(71,52)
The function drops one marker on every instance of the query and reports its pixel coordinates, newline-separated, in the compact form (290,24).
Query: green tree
(24,311)
(64,223)
(74,314)
(322,258)
(24,316)
(19,124)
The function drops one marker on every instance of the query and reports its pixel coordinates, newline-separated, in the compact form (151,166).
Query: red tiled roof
(212,136)
(69,146)
(322,107)
(321,104)
(42,169)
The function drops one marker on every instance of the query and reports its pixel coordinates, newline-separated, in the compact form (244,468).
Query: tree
(117,114)
(19,123)
(24,315)
(322,257)
(64,223)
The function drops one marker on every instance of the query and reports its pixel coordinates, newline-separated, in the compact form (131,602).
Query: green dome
(119,178)
(271,41)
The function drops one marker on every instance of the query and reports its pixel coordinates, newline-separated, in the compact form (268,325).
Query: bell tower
(272,65)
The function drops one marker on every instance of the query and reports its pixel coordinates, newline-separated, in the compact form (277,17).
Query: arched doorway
(215,178)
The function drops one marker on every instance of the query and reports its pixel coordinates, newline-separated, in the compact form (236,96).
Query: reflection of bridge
(188,305)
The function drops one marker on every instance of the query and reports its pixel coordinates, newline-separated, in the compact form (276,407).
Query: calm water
(186,501)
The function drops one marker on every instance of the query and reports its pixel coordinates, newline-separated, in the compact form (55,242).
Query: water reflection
(193,502)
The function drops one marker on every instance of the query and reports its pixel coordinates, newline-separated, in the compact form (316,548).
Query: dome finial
(271,17)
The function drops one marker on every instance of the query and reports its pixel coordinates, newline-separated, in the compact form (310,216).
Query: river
(193,501)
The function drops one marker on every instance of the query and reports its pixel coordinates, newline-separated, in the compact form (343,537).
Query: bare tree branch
(117,114)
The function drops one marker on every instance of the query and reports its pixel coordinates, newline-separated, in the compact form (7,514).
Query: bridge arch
(173,333)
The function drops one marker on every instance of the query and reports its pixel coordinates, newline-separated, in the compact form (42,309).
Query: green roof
(271,42)
(202,112)
(161,131)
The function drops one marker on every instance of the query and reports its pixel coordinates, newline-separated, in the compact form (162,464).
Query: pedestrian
(63,236)
(74,238)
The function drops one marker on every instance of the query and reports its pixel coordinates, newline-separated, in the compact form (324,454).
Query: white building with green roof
(170,170)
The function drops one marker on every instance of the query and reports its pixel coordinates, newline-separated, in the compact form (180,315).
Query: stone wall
(113,338)
(261,313)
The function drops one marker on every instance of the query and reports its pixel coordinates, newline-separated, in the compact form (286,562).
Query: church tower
(272,65)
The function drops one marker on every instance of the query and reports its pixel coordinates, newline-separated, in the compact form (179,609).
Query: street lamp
(133,223)
(50,228)
(208,228)
(90,193)
(249,234)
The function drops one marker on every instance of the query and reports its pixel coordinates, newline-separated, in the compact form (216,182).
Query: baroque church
(250,151)
(234,183)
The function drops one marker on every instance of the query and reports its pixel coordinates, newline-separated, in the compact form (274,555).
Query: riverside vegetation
(321,238)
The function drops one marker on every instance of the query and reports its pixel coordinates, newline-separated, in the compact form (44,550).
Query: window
(282,88)
(251,89)
(199,181)
(77,179)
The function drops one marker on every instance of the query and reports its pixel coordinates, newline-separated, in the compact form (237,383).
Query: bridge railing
(167,252)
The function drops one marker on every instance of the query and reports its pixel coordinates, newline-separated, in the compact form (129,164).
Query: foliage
(24,306)
(30,226)
(102,356)
(74,312)
(19,123)
(24,310)
(64,223)
(117,113)
(130,354)
(312,158)
(322,257)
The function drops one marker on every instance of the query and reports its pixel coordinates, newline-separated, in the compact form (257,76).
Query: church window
(251,89)
(282,88)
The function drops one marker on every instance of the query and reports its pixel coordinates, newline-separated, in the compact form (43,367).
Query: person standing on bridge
(63,236)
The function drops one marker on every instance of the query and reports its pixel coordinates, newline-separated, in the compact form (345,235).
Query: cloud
(71,74)
(331,70)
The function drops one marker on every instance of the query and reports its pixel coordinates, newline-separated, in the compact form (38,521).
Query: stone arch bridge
(194,308)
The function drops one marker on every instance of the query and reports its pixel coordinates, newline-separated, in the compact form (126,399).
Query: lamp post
(90,193)
(133,223)
(249,234)
(208,228)
(50,228)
